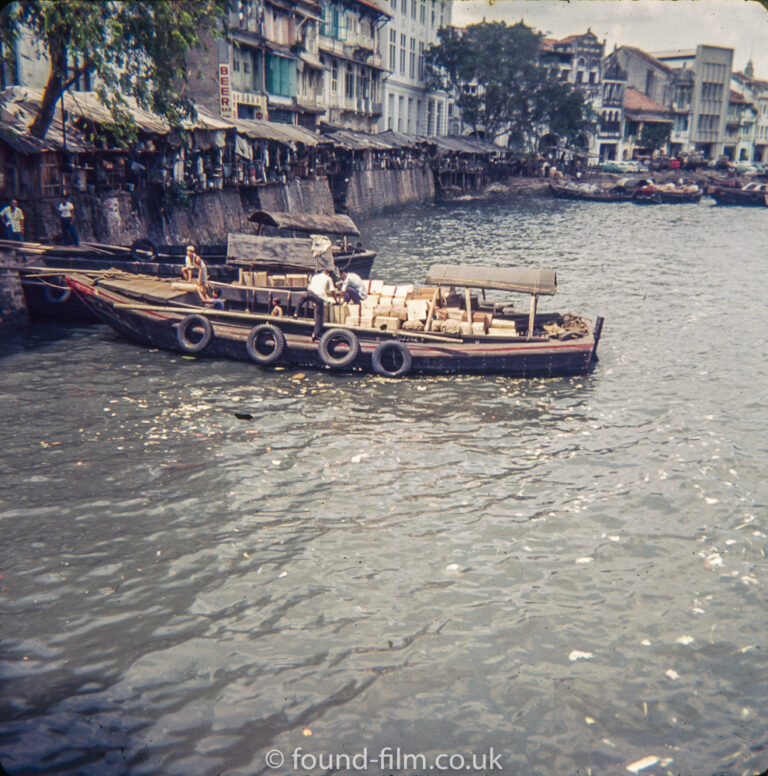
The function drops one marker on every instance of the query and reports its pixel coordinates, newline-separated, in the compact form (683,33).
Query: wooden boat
(397,330)
(48,297)
(591,192)
(666,193)
(754,194)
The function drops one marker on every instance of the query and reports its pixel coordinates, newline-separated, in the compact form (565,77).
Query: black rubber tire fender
(254,337)
(185,326)
(56,295)
(329,339)
(377,360)
(141,247)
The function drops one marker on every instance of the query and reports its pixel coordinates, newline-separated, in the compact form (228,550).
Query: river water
(553,577)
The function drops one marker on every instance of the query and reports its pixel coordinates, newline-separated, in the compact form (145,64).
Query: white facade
(408,106)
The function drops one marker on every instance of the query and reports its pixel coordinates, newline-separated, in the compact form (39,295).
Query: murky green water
(567,575)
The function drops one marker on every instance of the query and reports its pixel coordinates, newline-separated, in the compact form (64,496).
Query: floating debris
(672,674)
(579,655)
(641,765)
(244,416)
(685,640)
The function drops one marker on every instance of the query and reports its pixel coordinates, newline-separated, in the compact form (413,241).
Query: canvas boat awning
(307,223)
(527,281)
(246,250)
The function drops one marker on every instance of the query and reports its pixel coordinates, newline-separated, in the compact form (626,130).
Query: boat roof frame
(523,280)
(309,223)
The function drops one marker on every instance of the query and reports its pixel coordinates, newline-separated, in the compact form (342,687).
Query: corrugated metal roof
(18,108)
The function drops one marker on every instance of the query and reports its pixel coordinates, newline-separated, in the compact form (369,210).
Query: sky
(652,25)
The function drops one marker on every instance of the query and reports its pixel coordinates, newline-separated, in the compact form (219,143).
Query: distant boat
(753,193)
(666,193)
(591,191)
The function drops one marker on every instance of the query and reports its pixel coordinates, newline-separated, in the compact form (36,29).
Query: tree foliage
(501,86)
(131,47)
(654,135)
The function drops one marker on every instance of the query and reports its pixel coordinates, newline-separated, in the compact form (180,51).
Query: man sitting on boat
(188,270)
(353,288)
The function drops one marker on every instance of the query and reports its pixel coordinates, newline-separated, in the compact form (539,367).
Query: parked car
(750,168)
(623,166)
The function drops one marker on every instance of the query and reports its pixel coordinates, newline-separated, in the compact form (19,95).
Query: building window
(391,116)
(400,111)
(404,6)
(350,83)
(412,69)
(413,9)
(339,24)
(421,61)
(281,76)
(392,50)
(422,12)
(402,54)
(335,77)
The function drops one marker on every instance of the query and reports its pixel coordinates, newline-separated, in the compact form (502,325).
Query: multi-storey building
(578,60)
(266,66)
(350,53)
(682,80)
(611,118)
(740,123)
(409,107)
(711,66)
(756,91)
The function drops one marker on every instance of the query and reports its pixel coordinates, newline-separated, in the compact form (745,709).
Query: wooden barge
(395,331)
(48,296)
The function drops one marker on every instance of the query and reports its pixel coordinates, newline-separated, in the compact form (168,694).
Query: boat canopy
(528,281)
(247,250)
(307,222)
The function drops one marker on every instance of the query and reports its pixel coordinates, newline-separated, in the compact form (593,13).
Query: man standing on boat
(320,291)
(353,288)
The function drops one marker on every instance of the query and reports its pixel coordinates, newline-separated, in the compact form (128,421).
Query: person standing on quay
(68,231)
(13,217)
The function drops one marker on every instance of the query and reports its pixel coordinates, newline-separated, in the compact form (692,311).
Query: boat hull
(158,327)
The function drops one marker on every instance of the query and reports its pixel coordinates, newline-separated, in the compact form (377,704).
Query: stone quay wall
(372,191)
(13,306)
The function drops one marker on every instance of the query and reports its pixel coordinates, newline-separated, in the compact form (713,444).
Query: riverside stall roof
(527,281)
(18,109)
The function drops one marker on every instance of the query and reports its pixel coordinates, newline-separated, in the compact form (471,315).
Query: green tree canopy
(131,47)
(654,135)
(500,84)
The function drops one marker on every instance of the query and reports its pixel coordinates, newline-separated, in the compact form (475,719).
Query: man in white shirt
(319,291)
(13,217)
(68,232)
(353,288)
